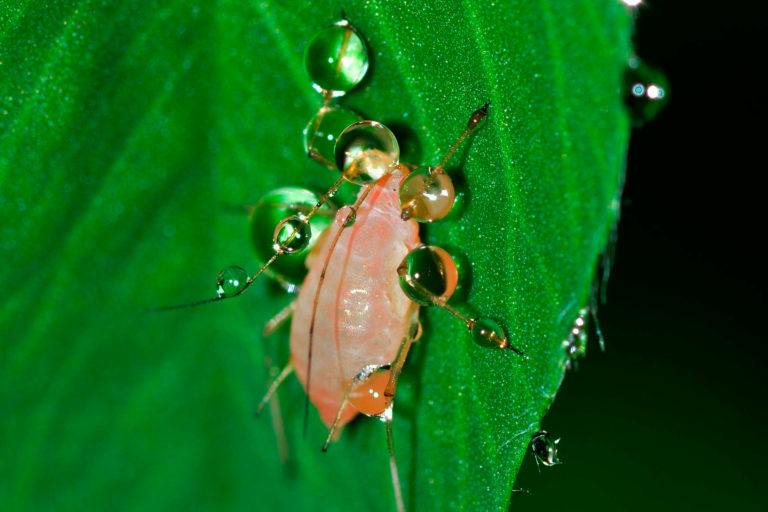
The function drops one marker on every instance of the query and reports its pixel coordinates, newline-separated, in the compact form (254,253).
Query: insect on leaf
(130,133)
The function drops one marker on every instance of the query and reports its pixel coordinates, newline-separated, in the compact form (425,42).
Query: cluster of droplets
(646,91)
(575,344)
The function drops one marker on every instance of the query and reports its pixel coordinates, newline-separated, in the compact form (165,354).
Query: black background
(672,415)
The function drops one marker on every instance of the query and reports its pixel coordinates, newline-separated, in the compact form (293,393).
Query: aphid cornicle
(356,313)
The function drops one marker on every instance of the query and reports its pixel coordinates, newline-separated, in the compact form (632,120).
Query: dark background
(672,415)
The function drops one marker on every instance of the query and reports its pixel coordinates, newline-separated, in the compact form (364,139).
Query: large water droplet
(269,211)
(366,151)
(323,130)
(291,235)
(336,59)
(428,274)
(231,281)
(426,195)
(544,448)
(646,93)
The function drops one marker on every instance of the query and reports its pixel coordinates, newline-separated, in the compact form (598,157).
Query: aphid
(544,448)
(356,313)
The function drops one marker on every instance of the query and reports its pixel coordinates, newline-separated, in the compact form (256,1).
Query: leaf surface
(127,132)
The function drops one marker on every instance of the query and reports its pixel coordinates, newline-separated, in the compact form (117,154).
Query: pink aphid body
(362,314)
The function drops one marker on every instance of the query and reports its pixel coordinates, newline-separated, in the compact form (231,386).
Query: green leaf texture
(127,132)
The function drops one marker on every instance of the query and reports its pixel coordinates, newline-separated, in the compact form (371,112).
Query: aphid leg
(279,319)
(387,417)
(291,234)
(428,276)
(285,372)
(337,419)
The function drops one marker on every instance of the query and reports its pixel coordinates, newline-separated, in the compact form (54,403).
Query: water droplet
(323,130)
(336,59)
(487,333)
(366,151)
(346,216)
(426,195)
(269,211)
(291,235)
(544,448)
(647,91)
(231,281)
(428,274)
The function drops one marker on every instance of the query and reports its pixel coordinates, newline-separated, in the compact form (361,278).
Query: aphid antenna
(491,336)
(343,225)
(474,120)
(280,249)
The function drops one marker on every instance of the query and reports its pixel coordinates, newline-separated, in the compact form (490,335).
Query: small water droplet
(291,235)
(487,333)
(336,59)
(428,274)
(647,91)
(365,151)
(346,216)
(544,448)
(231,281)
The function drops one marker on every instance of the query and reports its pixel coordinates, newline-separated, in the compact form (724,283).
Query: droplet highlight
(647,91)
(575,343)
(428,275)
(366,151)
(231,281)
(291,235)
(336,59)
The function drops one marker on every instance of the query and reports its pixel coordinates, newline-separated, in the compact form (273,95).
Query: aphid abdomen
(362,313)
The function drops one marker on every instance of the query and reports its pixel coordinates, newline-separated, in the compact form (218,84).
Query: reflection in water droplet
(428,274)
(291,235)
(426,195)
(346,216)
(544,448)
(230,281)
(366,151)
(647,91)
(336,59)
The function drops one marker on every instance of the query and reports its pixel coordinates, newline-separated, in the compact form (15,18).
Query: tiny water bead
(647,91)
(291,235)
(366,151)
(544,448)
(428,274)
(231,281)
(346,216)
(487,333)
(269,211)
(323,130)
(426,195)
(336,59)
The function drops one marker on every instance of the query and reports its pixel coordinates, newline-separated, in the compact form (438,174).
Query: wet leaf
(129,133)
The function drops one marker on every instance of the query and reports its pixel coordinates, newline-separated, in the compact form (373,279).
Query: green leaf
(128,129)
